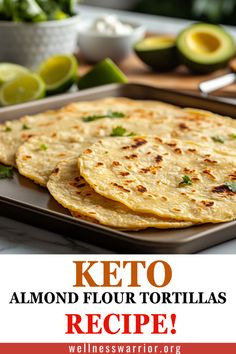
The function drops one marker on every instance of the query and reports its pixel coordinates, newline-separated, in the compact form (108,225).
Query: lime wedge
(10,71)
(59,73)
(24,88)
(105,72)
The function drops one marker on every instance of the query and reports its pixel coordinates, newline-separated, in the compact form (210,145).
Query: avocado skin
(202,68)
(163,59)
(199,68)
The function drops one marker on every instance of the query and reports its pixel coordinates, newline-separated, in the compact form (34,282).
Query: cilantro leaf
(186,180)
(218,139)
(232,136)
(109,114)
(6,172)
(8,129)
(43,147)
(93,118)
(25,127)
(118,131)
(231,186)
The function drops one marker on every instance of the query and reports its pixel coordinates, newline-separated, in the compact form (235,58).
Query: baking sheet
(23,200)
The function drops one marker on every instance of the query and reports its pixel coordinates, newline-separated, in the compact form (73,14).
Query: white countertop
(19,238)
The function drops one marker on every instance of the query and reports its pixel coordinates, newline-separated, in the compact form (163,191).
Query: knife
(217,83)
(209,86)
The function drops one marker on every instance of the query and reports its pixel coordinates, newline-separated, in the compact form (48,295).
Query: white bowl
(95,46)
(29,43)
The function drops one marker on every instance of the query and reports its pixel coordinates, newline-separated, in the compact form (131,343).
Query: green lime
(59,73)
(10,71)
(158,52)
(24,88)
(105,72)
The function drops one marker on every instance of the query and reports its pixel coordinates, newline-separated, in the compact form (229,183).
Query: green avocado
(158,52)
(204,48)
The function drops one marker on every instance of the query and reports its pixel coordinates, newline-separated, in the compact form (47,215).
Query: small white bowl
(96,46)
(29,43)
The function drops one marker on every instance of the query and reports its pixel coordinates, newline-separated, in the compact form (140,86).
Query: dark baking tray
(21,199)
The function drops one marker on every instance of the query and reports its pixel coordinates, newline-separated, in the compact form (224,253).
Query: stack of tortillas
(129,164)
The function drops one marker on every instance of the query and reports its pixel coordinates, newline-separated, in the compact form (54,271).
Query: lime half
(24,88)
(105,72)
(59,73)
(10,71)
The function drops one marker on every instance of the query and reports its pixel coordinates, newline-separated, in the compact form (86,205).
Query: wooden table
(179,79)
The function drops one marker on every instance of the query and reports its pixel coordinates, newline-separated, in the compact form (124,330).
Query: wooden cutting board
(180,79)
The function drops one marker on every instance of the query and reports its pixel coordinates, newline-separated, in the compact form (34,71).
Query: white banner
(117,298)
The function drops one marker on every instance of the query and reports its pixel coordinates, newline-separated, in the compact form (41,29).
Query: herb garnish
(120,131)
(8,129)
(109,114)
(218,139)
(232,136)
(25,127)
(6,172)
(186,181)
(43,147)
(231,186)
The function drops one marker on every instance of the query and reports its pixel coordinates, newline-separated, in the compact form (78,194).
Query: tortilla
(199,126)
(178,179)
(37,164)
(164,120)
(70,190)
(207,128)
(15,132)
(38,157)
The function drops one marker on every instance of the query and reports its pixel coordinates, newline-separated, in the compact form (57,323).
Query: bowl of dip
(108,37)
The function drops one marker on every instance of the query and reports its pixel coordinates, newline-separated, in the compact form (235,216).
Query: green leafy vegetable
(8,129)
(25,127)
(231,186)
(186,180)
(232,136)
(109,114)
(29,11)
(68,6)
(120,131)
(6,172)
(43,147)
(37,10)
(218,139)
(52,9)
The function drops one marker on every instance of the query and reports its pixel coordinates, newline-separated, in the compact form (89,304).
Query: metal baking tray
(23,200)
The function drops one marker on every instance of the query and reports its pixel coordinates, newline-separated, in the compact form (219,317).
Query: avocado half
(158,52)
(204,48)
